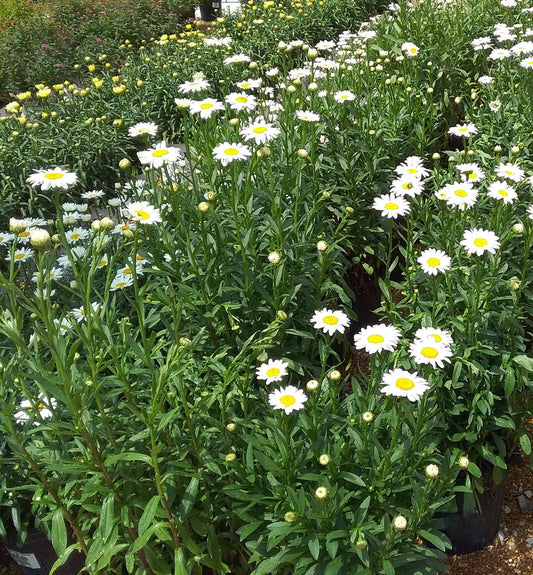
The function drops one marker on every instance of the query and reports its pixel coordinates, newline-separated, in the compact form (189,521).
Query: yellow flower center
(24,234)
(273,371)
(287,400)
(241,99)
(376,338)
(391,206)
(127,271)
(429,352)
(433,262)
(259,130)
(461,193)
(509,172)
(245,85)
(413,50)
(405,383)
(206,105)
(159,153)
(142,214)
(53,175)
(412,171)
(102,263)
(463,129)
(472,176)
(480,242)
(19,256)
(75,236)
(503,193)
(436,337)
(231,151)
(407,186)
(331,320)
(38,406)
(121,284)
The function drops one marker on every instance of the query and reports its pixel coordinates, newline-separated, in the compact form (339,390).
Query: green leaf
(59,532)
(148,514)
(128,456)
(474,470)
(388,569)
(434,539)
(314,547)
(61,560)
(180,563)
(525,443)
(334,567)
(524,361)
(143,539)
(107,516)
(189,498)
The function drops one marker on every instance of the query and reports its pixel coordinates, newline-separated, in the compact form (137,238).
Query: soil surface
(512,551)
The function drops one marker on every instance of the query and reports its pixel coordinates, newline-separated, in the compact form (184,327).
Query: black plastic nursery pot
(475,521)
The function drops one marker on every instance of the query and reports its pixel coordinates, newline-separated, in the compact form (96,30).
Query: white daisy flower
(250,84)
(529,212)
(376,338)
(525,47)
(413,167)
(93,194)
(495,105)
(288,399)
(407,185)
(472,172)
(206,108)
(461,195)
(272,370)
(76,234)
(463,130)
(20,255)
(391,205)
(80,314)
(344,96)
(478,241)
(191,86)
(121,281)
(430,352)
(401,383)
(434,333)
(527,63)
(434,261)
(330,321)
(510,172)
(6,238)
(307,116)
(325,45)
(227,152)
(52,178)
(143,213)
(160,155)
(502,191)
(142,129)
(42,406)
(237,59)
(499,54)
(239,101)
(259,131)
(485,80)
(410,49)
(299,73)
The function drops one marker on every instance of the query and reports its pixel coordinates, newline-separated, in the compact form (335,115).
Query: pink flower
(45,47)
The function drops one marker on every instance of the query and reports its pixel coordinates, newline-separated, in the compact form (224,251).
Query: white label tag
(24,559)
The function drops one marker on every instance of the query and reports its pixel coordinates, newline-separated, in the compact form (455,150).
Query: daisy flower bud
(518,228)
(281,315)
(321,492)
(274,257)
(334,375)
(322,246)
(312,385)
(400,523)
(432,471)
(231,457)
(231,427)
(361,542)
(303,153)
(368,417)
(203,207)
(40,238)
(289,517)
(324,459)
(463,462)
(124,164)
